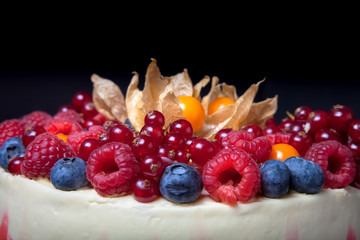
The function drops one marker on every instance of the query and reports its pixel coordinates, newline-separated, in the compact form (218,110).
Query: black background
(42,66)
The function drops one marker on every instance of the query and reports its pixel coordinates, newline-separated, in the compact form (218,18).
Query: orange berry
(193,111)
(62,137)
(219,103)
(282,151)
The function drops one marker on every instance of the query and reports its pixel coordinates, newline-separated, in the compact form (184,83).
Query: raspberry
(259,148)
(36,118)
(279,137)
(42,153)
(70,114)
(231,176)
(65,127)
(11,128)
(112,169)
(336,160)
(77,138)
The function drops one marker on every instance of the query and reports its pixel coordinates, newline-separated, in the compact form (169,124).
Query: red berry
(354,131)
(75,140)
(11,128)
(42,154)
(155,117)
(65,108)
(70,114)
(65,127)
(201,151)
(231,176)
(154,131)
(183,127)
(279,137)
(88,110)
(182,156)
(336,160)
(259,148)
(286,124)
(142,146)
(294,127)
(36,118)
(340,118)
(80,98)
(175,140)
(87,147)
(121,133)
(14,166)
(112,169)
(256,129)
(317,120)
(301,141)
(302,113)
(355,148)
(271,130)
(30,133)
(91,122)
(222,133)
(146,190)
(166,150)
(327,134)
(270,122)
(151,166)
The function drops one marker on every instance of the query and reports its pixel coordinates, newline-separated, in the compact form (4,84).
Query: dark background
(42,67)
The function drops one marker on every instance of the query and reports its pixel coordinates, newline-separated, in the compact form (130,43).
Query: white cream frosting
(36,210)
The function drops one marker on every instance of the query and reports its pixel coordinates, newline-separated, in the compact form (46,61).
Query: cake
(120,171)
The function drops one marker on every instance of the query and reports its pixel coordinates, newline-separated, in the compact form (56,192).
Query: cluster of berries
(78,147)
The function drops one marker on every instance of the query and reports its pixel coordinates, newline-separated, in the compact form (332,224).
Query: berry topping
(201,151)
(306,176)
(336,161)
(66,127)
(340,118)
(80,98)
(301,141)
(69,174)
(193,111)
(183,127)
(259,148)
(36,118)
(354,131)
(146,190)
(10,149)
(42,154)
(155,117)
(112,169)
(231,176)
(282,151)
(11,128)
(70,114)
(219,103)
(76,139)
(181,183)
(30,133)
(275,179)
(87,147)
(279,137)
(14,166)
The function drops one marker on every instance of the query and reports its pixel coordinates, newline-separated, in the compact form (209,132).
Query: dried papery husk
(108,98)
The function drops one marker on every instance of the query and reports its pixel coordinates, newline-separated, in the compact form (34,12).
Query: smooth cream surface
(36,210)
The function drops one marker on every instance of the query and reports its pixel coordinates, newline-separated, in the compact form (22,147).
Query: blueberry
(306,176)
(181,183)
(69,174)
(275,179)
(12,147)
(127,121)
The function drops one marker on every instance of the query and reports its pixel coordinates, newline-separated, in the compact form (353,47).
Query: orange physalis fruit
(219,103)
(193,111)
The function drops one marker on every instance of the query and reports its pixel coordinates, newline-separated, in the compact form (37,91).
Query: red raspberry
(36,118)
(65,127)
(75,140)
(279,137)
(70,114)
(259,148)
(112,169)
(42,153)
(11,128)
(231,176)
(336,160)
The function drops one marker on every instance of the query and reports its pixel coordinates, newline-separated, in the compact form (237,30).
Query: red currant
(146,190)
(80,98)
(326,134)
(222,133)
(151,166)
(317,120)
(354,131)
(156,117)
(355,148)
(182,156)
(271,129)
(14,166)
(270,122)
(66,107)
(302,113)
(121,133)
(30,133)
(257,130)
(201,151)
(154,131)
(182,127)
(165,150)
(87,147)
(88,110)
(286,124)
(142,146)
(340,118)
(301,141)
(90,122)
(175,140)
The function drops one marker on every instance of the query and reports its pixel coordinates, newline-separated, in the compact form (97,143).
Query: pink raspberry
(77,138)
(42,153)
(336,160)
(231,176)
(279,137)
(11,128)
(70,114)
(112,169)
(259,148)
(39,118)
(65,127)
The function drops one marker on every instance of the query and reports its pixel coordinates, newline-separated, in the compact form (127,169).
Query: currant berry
(88,110)
(14,166)
(146,190)
(182,127)
(109,124)
(270,122)
(302,113)
(80,98)
(143,146)
(340,118)
(165,150)
(121,133)
(154,131)
(354,131)
(87,147)
(355,148)
(301,141)
(286,124)
(272,129)
(256,129)
(90,122)
(317,120)
(156,117)
(151,166)
(222,133)
(30,133)
(327,134)
(182,156)
(175,140)
(201,151)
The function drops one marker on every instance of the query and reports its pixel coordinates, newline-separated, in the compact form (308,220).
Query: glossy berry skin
(340,118)
(181,183)
(151,166)
(30,133)
(282,151)
(156,117)
(306,176)
(301,141)
(317,120)
(69,174)
(88,110)
(80,98)
(121,133)
(275,179)
(143,146)
(154,131)
(301,114)
(175,140)
(183,127)
(254,129)
(14,166)
(11,148)
(219,103)
(326,134)
(193,111)
(201,151)
(355,148)
(146,190)
(354,131)
(219,136)
(87,147)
